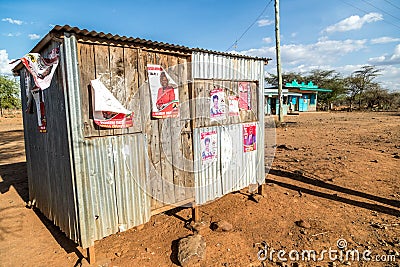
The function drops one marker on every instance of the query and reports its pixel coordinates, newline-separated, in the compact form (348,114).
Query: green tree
(359,81)
(328,79)
(9,94)
(287,77)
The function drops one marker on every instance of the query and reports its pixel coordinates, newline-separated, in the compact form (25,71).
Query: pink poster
(249,137)
(244,95)
(233,105)
(208,144)
(217,104)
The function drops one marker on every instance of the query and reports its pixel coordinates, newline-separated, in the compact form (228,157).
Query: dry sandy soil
(337,172)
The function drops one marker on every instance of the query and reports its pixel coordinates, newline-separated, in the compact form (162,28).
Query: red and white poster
(208,144)
(249,137)
(164,93)
(244,95)
(233,105)
(217,104)
(108,112)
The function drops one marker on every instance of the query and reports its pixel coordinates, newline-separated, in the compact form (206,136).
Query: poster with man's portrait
(217,104)
(164,93)
(249,137)
(244,95)
(208,145)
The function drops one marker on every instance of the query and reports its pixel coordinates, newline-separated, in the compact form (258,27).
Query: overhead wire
(366,12)
(249,27)
(380,9)
(387,1)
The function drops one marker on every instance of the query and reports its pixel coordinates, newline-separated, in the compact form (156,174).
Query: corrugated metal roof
(57,30)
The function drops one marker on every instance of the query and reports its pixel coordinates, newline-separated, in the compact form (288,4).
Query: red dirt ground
(338,172)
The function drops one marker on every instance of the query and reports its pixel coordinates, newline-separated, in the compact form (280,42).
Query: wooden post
(91,255)
(196,213)
(261,189)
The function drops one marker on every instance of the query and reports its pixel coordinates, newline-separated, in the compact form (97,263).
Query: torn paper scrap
(108,112)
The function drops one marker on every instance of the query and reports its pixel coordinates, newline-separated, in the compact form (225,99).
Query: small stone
(256,198)
(118,254)
(303,224)
(396,156)
(221,226)
(198,226)
(375,161)
(191,250)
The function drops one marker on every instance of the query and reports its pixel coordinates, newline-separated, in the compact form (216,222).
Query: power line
(387,1)
(248,28)
(365,12)
(380,9)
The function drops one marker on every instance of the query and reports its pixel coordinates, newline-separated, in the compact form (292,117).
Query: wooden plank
(184,203)
(165,134)
(91,255)
(87,73)
(117,76)
(150,127)
(187,146)
(132,99)
(176,128)
(254,101)
(102,66)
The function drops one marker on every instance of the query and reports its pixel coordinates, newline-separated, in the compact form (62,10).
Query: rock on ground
(191,250)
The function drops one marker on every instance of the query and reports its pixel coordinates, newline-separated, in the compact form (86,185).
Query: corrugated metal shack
(92,181)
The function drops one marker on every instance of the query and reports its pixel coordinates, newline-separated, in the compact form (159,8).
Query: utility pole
(278,61)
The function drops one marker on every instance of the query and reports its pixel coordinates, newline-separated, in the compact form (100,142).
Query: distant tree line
(9,93)
(359,90)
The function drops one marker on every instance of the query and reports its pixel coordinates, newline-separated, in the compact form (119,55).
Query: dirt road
(335,176)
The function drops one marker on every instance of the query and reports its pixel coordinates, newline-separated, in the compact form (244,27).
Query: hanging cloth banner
(164,93)
(42,70)
(108,112)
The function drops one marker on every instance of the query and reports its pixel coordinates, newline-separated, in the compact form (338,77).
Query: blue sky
(328,34)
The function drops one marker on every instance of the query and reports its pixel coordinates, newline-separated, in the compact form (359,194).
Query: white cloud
(293,34)
(13,21)
(267,40)
(322,52)
(264,22)
(13,34)
(384,40)
(5,67)
(387,59)
(353,22)
(33,36)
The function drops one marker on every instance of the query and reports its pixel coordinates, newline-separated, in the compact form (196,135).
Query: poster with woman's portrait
(244,95)
(217,104)
(249,137)
(208,144)
(164,93)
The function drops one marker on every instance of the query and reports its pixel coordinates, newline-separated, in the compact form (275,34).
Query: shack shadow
(67,244)
(15,175)
(174,252)
(322,184)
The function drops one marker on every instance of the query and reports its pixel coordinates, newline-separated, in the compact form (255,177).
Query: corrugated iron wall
(233,169)
(48,160)
(110,172)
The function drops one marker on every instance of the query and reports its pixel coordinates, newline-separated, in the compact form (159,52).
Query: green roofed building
(297,97)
